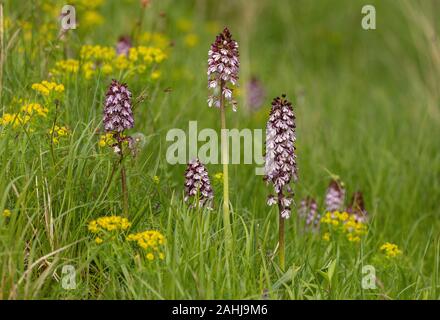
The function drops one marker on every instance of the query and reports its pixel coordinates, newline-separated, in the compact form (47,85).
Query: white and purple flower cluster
(223,66)
(335,196)
(280,167)
(123,46)
(118,115)
(197,184)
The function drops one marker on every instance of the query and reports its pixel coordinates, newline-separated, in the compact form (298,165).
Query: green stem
(281,243)
(53,131)
(123,181)
(225,156)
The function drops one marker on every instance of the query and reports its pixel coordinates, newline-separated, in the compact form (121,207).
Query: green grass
(367,110)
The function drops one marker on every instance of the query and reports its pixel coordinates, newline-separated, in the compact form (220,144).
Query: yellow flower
(66,66)
(391,250)
(326,236)
(35,107)
(191,40)
(88,70)
(14,119)
(107,68)
(150,241)
(335,223)
(7,118)
(343,216)
(98,240)
(156,179)
(97,53)
(46,87)
(353,238)
(58,132)
(219,176)
(6,213)
(155,75)
(150,256)
(345,223)
(121,62)
(109,223)
(109,140)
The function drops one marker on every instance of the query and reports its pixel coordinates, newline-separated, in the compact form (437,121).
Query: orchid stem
(225,160)
(281,243)
(123,182)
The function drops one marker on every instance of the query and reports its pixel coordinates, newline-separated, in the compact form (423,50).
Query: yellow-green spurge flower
(151,242)
(390,250)
(344,223)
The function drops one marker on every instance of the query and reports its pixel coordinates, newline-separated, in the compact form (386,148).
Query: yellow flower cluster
(344,223)
(26,113)
(218,179)
(155,75)
(46,87)
(6,213)
(107,140)
(390,250)
(151,242)
(107,224)
(97,53)
(35,108)
(14,119)
(96,58)
(156,179)
(218,176)
(58,132)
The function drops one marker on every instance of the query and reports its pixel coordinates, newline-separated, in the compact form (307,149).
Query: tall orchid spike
(223,66)
(118,116)
(280,159)
(280,167)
